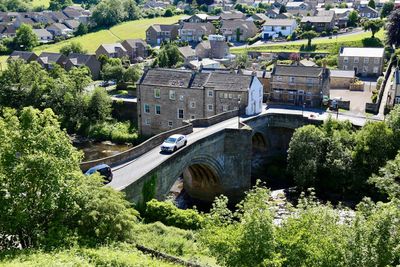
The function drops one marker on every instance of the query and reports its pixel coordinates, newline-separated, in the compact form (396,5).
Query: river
(97,150)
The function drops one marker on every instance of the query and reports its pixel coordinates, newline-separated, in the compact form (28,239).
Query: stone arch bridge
(220,163)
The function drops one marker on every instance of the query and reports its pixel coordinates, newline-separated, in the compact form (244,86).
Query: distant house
(258,17)
(298,85)
(238,30)
(232,15)
(72,24)
(198,64)
(273,28)
(58,29)
(396,87)
(116,50)
(135,48)
(158,33)
(342,79)
(197,18)
(9,31)
(188,54)
(79,60)
(24,55)
(368,12)
(319,23)
(272,13)
(215,48)
(365,61)
(299,9)
(194,32)
(43,36)
(48,60)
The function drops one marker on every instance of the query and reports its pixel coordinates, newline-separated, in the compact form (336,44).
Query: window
(181,98)
(365,68)
(180,113)
(375,70)
(230,96)
(291,79)
(376,60)
(310,80)
(308,96)
(356,59)
(209,107)
(221,95)
(278,78)
(157,93)
(158,109)
(283,28)
(366,60)
(346,60)
(192,104)
(225,95)
(291,95)
(170,123)
(146,108)
(210,93)
(345,67)
(192,117)
(172,94)
(147,121)
(224,108)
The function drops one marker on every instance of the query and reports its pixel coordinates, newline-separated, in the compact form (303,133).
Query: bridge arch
(202,178)
(259,143)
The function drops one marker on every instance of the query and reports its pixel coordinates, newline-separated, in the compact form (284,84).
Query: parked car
(104,170)
(173,143)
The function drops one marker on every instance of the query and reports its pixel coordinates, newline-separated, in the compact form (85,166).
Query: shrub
(167,213)
(117,132)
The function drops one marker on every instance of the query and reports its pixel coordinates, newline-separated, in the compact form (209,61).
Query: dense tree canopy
(72,47)
(58,5)
(25,39)
(373,25)
(387,8)
(393,28)
(169,56)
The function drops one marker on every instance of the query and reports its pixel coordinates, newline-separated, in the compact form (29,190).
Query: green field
(126,30)
(37,3)
(322,45)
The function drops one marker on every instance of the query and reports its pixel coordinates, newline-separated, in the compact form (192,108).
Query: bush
(167,213)
(372,42)
(254,39)
(119,132)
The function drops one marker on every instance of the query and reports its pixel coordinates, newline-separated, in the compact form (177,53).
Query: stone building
(194,32)
(299,85)
(158,33)
(168,97)
(365,61)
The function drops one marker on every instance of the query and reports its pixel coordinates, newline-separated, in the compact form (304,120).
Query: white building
(273,28)
(254,104)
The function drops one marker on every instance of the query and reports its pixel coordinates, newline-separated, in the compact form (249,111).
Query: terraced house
(365,61)
(299,85)
(158,33)
(194,32)
(168,97)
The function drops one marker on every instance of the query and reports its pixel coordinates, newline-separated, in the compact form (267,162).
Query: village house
(299,85)
(299,9)
(197,18)
(158,33)
(365,61)
(259,17)
(48,60)
(188,54)
(83,60)
(232,15)
(273,28)
(136,49)
(168,97)
(26,56)
(238,30)
(194,32)
(319,23)
(342,79)
(116,50)
(58,29)
(368,12)
(215,48)
(43,36)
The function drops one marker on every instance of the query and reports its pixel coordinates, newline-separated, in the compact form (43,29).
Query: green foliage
(372,42)
(110,12)
(100,105)
(371,4)
(393,28)
(57,5)
(169,56)
(168,13)
(387,8)
(25,39)
(309,35)
(387,180)
(73,47)
(167,213)
(282,9)
(117,132)
(53,203)
(373,25)
(82,29)
(353,18)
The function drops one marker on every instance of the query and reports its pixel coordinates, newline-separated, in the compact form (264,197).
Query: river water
(97,150)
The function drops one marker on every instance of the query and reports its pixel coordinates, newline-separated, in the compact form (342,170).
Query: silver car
(173,143)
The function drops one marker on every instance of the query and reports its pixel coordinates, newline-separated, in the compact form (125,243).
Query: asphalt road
(131,171)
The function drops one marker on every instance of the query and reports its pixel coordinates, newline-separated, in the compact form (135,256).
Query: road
(131,171)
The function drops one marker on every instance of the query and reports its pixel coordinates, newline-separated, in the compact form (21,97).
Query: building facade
(168,97)
(365,61)
(158,33)
(273,28)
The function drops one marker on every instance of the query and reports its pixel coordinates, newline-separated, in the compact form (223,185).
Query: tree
(169,56)
(282,9)
(386,9)
(393,28)
(100,105)
(72,47)
(309,35)
(132,10)
(57,5)
(242,60)
(168,13)
(25,39)
(305,155)
(353,18)
(45,200)
(82,29)
(132,74)
(373,25)
(108,13)
(371,4)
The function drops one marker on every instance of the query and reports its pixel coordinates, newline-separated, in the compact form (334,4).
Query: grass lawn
(91,41)
(322,45)
(37,3)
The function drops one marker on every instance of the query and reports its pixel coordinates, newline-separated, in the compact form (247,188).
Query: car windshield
(170,140)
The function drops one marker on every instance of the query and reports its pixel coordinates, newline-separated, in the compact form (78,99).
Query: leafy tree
(305,155)
(393,28)
(57,5)
(25,39)
(373,25)
(168,13)
(132,74)
(386,9)
(45,200)
(353,18)
(100,105)
(82,29)
(169,56)
(132,10)
(387,180)
(108,13)
(112,72)
(371,4)
(282,9)
(309,35)
(80,78)
(242,60)
(72,47)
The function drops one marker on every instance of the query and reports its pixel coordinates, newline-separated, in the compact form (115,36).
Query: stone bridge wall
(227,153)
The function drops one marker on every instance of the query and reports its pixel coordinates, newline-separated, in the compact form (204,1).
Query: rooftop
(299,71)
(362,51)
(343,73)
(279,22)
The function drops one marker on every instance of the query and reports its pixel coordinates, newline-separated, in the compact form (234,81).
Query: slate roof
(163,27)
(234,24)
(47,57)
(133,42)
(205,27)
(279,22)
(72,23)
(259,16)
(343,73)
(361,51)
(80,59)
(187,51)
(299,71)
(167,77)
(111,48)
(229,81)
(318,19)
(25,55)
(231,15)
(42,33)
(367,9)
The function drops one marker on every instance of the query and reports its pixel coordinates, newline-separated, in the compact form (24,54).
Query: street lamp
(239,113)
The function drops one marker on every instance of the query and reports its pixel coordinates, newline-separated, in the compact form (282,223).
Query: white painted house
(254,104)
(273,28)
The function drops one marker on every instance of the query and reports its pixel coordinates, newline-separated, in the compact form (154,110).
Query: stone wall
(206,122)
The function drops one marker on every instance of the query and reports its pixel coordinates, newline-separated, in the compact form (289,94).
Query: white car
(173,143)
